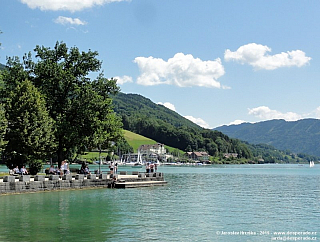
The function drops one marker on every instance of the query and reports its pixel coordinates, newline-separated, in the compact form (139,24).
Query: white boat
(133,160)
(311,163)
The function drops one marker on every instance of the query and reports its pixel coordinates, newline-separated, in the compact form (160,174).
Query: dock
(139,179)
(134,184)
(38,183)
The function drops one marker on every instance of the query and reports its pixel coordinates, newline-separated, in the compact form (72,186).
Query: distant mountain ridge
(302,136)
(141,116)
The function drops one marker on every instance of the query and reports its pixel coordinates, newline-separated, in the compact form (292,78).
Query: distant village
(157,153)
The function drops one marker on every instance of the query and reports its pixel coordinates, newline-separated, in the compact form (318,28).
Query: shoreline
(42,183)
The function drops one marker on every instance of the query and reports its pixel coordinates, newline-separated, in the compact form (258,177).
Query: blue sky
(214,62)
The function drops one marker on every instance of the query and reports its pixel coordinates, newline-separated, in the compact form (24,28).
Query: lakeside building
(153,152)
(201,156)
(230,155)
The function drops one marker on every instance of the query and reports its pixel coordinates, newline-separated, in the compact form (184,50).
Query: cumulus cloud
(66,21)
(266,113)
(123,79)
(168,105)
(181,70)
(198,121)
(66,5)
(256,56)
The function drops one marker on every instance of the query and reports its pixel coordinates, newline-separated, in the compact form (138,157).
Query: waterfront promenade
(38,183)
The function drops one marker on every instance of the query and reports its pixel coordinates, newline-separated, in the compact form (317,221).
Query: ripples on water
(194,206)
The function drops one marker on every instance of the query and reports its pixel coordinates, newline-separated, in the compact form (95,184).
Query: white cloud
(168,105)
(66,5)
(181,70)
(66,21)
(236,122)
(198,121)
(266,113)
(123,79)
(256,56)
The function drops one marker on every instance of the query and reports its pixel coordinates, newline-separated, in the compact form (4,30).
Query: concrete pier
(38,183)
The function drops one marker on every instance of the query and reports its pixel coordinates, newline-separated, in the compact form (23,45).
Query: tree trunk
(60,153)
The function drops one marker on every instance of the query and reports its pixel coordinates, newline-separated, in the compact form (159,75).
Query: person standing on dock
(147,167)
(115,168)
(111,167)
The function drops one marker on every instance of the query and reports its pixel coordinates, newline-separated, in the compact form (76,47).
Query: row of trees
(50,108)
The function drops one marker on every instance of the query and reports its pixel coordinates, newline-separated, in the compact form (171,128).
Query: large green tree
(30,132)
(81,107)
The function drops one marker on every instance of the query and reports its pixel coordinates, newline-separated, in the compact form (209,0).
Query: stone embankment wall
(13,184)
(26,183)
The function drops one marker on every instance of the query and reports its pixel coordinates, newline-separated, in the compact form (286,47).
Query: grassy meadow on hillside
(134,140)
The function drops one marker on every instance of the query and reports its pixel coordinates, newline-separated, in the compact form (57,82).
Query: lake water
(204,203)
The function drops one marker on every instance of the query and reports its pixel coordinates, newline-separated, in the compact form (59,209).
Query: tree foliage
(269,154)
(30,132)
(80,107)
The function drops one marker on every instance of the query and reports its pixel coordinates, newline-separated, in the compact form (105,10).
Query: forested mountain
(302,136)
(137,105)
(140,115)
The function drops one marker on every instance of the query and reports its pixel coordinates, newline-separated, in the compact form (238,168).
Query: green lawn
(92,156)
(136,140)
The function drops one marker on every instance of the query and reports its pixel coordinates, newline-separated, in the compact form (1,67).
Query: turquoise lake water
(204,203)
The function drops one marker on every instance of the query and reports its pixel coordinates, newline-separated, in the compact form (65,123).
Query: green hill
(136,140)
(302,136)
